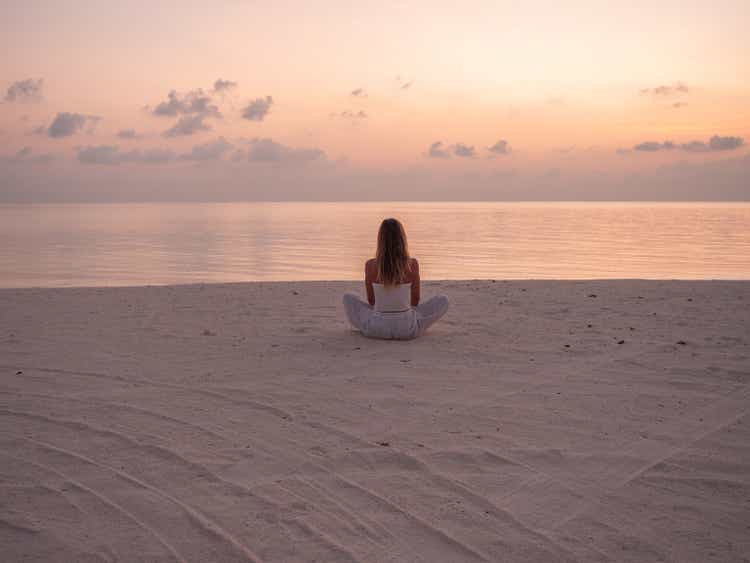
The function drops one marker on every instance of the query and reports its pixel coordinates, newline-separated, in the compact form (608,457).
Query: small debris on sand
(384,444)
(681,343)
(207,332)
(19,372)
(592,294)
(621,342)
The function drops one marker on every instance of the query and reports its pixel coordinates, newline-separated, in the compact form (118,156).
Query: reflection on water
(138,244)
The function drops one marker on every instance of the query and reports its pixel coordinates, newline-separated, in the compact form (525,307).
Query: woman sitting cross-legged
(393,310)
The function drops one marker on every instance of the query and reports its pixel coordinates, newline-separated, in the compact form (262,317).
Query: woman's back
(392,299)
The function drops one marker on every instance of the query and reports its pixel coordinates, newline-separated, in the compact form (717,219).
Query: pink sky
(359,100)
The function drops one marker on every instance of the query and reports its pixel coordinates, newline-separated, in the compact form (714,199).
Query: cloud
(213,150)
(128,134)
(464,151)
(28,90)
(187,125)
(193,102)
(257,109)
(653,146)
(438,150)
(666,90)
(359,93)
(361,114)
(715,143)
(224,85)
(403,84)
(66,124)
(268,150)
(26,155)
(678,105)
(111,155)
(501,147)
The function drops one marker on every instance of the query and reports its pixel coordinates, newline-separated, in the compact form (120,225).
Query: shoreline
(359,281)
(574,420)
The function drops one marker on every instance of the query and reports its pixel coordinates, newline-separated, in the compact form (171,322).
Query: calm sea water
(162,243)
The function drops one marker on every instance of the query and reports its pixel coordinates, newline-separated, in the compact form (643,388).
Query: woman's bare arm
(415,289)
(370,275)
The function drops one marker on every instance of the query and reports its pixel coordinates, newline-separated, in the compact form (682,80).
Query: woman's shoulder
(371,268)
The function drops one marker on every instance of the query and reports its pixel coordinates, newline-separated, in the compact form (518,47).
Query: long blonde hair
(392,256)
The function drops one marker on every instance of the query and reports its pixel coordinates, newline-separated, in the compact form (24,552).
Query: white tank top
(392,299)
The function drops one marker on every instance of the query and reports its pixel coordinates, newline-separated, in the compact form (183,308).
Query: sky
(106,100)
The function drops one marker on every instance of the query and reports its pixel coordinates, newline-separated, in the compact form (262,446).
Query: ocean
(61,245)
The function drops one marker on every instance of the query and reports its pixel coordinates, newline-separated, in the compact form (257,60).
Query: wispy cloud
(501,147)
(464,151)
(27,155)
(257,109)
(666,90)
(212,150)
(361,114)
(191,103)
(653,146)
(128,134)
(359,93)
(111,155)
(714,144)
(438,150)
(222,86)
(404,84)
(28,90)
(268,150)
(188,125)
(66,124)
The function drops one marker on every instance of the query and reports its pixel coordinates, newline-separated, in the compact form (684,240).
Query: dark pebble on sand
(295,292)
(621,342)
(19,373)
(357,348)
(690,298)
(682,343)
(384,444)
(592,294)
(404,361)
(567,345)
(589,325)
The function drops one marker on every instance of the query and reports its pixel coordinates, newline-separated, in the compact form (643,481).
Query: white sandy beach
(540,421)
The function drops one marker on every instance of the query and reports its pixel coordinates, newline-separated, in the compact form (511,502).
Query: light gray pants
(397,326)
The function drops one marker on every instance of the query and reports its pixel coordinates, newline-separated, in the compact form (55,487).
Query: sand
(540,421)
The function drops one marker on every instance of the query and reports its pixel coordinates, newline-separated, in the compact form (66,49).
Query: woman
(393,310)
